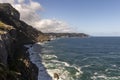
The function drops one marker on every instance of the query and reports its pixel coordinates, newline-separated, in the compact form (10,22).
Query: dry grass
(2,32)
(1,24)
(4,26)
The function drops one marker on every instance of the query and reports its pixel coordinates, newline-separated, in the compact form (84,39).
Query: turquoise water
(96,58)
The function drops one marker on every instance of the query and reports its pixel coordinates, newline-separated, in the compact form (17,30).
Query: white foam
(79,71)
(86,66)
(114,65)
(95,73)
(63,75)
(28,46)
(104,77)
(66,64)
(48,65)
(41,43)
(59,67)
(49,56)
(35,58)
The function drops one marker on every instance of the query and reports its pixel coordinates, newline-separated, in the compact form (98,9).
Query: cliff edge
(14,33)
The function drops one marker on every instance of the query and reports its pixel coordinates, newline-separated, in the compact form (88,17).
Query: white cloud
(7,1)
(52,25)
(35,5)
(29,14)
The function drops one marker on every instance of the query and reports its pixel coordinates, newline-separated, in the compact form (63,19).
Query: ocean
(94,58)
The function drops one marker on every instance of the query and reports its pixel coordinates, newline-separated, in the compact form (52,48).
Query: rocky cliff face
(25,32)
(14,61)
(8,9)
(14,33)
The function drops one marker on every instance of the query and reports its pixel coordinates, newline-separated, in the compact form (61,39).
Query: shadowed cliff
(25,32)
(14,33)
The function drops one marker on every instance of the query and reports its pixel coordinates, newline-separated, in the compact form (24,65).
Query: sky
(93,17)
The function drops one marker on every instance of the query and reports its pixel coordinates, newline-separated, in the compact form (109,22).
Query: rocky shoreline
(34,55)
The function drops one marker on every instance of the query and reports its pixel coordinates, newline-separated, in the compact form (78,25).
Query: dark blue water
(97,57)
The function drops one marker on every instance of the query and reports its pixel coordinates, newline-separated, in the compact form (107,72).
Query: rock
(3,52)
(14,33)
(56,76)
(6,53)
(14,58)
(26,33)
(8,9)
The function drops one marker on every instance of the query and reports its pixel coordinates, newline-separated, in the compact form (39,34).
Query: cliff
(25,32)
(14,33)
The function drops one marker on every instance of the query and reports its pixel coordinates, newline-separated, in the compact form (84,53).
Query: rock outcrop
(14,33)
(8,9)
(25,32)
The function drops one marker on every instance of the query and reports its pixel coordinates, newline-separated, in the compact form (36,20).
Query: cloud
(21,1)
(7,1)
(52,25)
(29,12)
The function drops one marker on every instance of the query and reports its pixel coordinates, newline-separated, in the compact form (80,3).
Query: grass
(5,27)
(2,32)
(2,24)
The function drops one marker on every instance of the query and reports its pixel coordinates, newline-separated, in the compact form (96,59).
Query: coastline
(34,51)
(44,61)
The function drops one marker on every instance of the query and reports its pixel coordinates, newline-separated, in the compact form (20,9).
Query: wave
(63,69)
(34,51)
(48,64)
(104,77)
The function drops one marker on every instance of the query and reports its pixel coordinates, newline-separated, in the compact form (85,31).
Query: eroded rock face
(14,61)
(6,51)
(25,32)
(14,33)
(3,52)
(8,9)
(6,41)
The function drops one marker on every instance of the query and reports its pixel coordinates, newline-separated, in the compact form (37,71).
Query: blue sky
(94,17)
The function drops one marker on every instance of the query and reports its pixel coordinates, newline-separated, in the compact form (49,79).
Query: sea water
(95,58)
